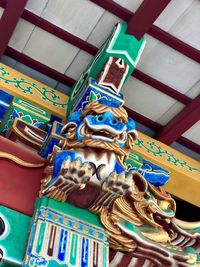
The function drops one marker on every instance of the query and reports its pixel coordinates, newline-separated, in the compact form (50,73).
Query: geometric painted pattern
(59,239)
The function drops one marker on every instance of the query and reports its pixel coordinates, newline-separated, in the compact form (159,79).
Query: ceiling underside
(54,40)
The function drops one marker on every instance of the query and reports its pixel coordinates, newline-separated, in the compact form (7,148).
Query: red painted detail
(115,9)
(161,87)
(180,123)
(19,186)
(83,45)
(113,74)
(154,31)
(3,3)
(125,260)
(12,13)
(60,33)
(145,16)
(112,254)
(32,63)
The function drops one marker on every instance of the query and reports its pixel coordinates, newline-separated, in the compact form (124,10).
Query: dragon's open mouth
(103,134)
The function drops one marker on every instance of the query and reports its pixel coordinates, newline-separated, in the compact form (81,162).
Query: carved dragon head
(101,125)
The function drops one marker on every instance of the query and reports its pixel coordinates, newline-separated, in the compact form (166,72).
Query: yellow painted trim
(19,161)
(183,183)
(36,97)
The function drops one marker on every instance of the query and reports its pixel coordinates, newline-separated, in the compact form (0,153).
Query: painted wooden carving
(63,235)
(91,172)
(125,48)
(97,192)
(20,174)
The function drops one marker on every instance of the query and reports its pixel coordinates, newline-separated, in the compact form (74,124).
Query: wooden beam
(189,144)
(181,122)
(59,32)
(124,14)
(161,87)
(156,127)
(145,16)
(12,13)
(114,8)
(154,31)
(32,63)
(3,3)
(175,43)
(89,48)
(184,171)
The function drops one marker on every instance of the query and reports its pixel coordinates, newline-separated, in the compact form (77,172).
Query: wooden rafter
(29,16)
(189,144)
(154,31)
(91,49)
(32,63)
(115,9)
(12,13)
(145,16)
(59,32)
(38,66)
(161,87)
(180,123)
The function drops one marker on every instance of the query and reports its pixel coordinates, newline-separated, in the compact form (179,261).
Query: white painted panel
(194,133)
(103,28)
(172,13)
(21,34)
(50,50)
(170,67)
(170,113)
(194,91)
(78,65)
(146,100)
(187,27)
(129,4)
(78,17)
(36,6)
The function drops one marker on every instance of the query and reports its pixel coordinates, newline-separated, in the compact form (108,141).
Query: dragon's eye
(100,118)
(114,121)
